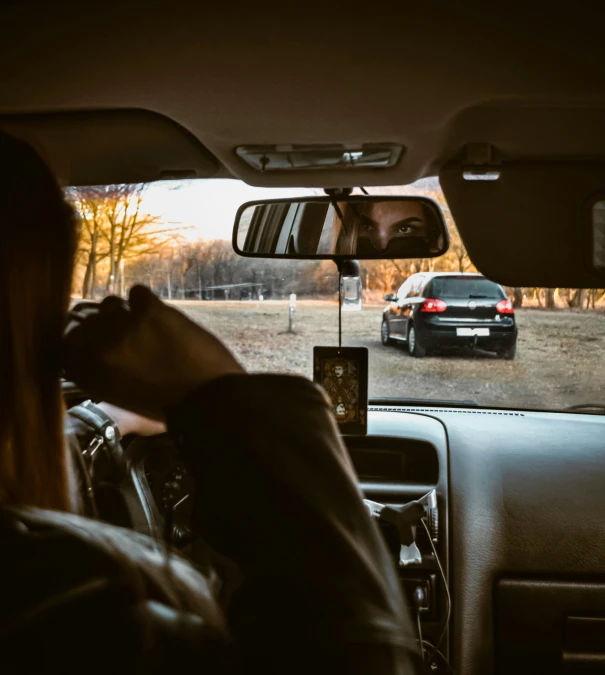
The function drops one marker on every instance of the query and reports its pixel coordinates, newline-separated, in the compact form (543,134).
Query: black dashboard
(524,500)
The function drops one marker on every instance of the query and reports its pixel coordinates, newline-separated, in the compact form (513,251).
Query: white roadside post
(291,311)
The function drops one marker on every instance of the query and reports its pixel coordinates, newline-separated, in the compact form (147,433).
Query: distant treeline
(213,271)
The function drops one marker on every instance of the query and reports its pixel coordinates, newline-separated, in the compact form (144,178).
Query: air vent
(449,410)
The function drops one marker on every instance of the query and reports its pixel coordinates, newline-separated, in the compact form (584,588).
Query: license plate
(470,332)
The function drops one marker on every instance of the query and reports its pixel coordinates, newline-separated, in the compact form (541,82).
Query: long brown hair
(346,229)
(37,246)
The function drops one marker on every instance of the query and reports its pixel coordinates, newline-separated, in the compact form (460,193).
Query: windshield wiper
(472,295)
(588,408)
(424,402)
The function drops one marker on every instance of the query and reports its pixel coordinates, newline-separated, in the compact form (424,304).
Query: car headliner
(432,79)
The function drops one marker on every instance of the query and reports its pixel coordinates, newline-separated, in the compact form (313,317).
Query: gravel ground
(559,356)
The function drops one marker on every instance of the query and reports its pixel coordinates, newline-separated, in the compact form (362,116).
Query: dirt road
(559,358)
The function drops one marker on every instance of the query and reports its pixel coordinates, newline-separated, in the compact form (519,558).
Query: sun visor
(108,147)
(532,224)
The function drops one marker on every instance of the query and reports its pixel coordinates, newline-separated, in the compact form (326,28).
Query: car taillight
(433,305)
(505,307)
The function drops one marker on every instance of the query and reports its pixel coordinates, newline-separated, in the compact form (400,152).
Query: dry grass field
(559,358)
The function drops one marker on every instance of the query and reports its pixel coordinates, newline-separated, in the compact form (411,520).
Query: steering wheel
(135,482)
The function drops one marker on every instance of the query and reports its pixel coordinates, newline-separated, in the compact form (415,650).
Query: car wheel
(416,349)
(509,352)
(385,333)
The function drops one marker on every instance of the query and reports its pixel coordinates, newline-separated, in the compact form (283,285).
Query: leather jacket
(276,493)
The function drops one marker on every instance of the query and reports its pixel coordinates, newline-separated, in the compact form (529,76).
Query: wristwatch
(95,439)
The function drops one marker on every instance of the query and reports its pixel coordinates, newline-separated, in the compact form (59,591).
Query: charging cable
(418,601)
(407,519)
(441,655)
(447,594)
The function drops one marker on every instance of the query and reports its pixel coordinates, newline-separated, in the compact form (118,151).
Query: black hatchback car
(434,311)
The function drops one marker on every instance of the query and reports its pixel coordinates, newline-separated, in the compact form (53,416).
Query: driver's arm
(123,421)
(276,492)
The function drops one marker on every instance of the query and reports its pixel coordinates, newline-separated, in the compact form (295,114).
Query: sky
(206,208)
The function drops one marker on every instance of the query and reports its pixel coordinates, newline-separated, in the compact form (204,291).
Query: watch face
(343,373)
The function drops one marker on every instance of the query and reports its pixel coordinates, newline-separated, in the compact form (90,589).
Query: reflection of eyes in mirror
(399,219)
(376,226)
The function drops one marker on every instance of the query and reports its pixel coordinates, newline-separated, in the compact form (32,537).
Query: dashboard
(519,529)
(524,515)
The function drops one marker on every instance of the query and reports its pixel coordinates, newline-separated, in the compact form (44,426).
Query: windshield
(176,238)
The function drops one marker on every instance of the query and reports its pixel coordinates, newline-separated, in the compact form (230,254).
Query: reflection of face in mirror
(380,222)
(374,227)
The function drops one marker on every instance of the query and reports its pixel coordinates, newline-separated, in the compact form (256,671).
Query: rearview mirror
(368,227)
(389,297)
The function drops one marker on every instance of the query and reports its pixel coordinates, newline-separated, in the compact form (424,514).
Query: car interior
(507,108)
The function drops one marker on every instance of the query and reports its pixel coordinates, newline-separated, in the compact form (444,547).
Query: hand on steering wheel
(143,355)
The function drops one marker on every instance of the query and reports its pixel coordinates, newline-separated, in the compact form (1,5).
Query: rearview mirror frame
(430,203)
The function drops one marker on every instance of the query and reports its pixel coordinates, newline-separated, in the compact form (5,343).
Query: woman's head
(37,246)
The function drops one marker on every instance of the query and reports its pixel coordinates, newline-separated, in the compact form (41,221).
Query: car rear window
(460,287)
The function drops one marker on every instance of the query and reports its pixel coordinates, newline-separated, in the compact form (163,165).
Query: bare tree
(594,296)
(115,228)
(550,301)
(88,202)
(517,297)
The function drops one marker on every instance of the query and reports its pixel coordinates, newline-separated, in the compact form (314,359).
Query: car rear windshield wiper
(588,408)
(424,402)
(472,295)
